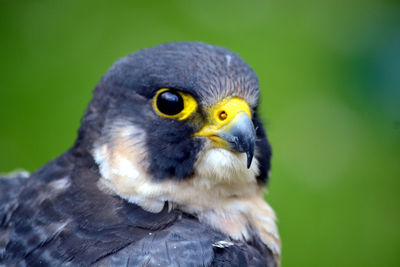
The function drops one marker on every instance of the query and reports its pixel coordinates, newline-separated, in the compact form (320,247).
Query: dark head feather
(207,72)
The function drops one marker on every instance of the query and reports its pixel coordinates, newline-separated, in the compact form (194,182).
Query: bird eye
(169,103)
(174,104)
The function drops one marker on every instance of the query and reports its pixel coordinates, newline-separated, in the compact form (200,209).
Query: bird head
(177,112)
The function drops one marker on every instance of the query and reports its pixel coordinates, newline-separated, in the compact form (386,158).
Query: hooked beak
(240,135)
(234,130)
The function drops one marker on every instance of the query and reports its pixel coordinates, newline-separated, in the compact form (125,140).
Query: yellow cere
(222,113)
(189,105)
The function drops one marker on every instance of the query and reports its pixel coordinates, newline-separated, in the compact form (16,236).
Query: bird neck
(229,200)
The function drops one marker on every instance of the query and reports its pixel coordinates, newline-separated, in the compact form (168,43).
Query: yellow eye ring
(174,104)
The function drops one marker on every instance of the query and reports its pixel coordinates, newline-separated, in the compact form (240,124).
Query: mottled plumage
(89,206)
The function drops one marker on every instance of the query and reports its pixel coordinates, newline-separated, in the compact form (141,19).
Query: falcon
(168,169)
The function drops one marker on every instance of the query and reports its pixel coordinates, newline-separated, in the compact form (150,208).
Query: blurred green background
(330,80)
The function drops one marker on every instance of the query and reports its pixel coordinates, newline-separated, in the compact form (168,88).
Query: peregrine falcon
(168,169)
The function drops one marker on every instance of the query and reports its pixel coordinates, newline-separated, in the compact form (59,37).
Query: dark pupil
(170,103)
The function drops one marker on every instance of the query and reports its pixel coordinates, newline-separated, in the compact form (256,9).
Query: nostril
(223,115)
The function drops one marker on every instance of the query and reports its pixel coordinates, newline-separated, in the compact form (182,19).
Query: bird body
(167,170)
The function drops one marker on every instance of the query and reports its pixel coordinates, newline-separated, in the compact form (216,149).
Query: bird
(169,168)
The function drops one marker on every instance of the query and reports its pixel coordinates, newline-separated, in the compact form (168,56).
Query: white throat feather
(222,192)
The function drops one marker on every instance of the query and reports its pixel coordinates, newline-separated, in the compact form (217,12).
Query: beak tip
(249,159)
